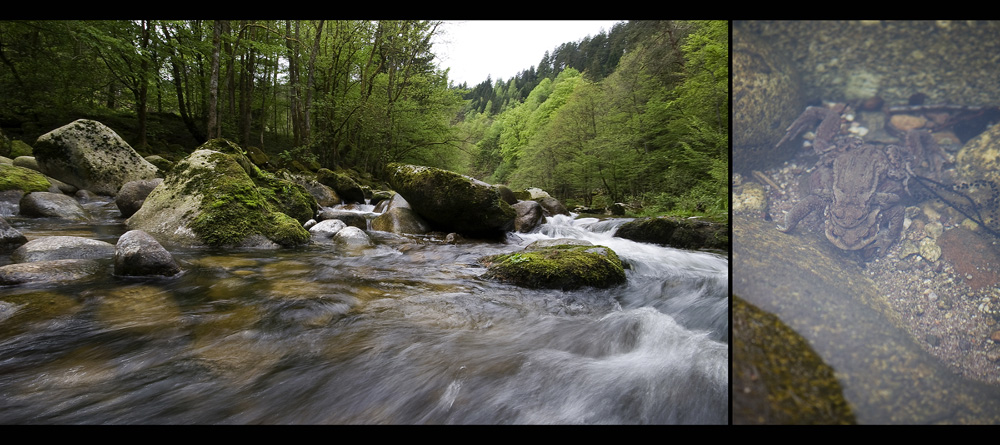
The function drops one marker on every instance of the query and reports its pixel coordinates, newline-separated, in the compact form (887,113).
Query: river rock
(392,202)
(131,196)
(91,156)
(452,202)
(401,220)
(51,205)
(327,228)
(353,238)
(208,199)
(324,195)
(10,238)
(529,214)
(49,271)
(561,266)
(551,206)
(676,232)
(343,185)
(139,254)
(62,248)
(348,217)
(10,202)
(28,162)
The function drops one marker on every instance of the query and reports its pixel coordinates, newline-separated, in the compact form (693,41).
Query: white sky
(475,49)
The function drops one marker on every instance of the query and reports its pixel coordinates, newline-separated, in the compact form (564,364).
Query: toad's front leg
(829,126)
(801,210)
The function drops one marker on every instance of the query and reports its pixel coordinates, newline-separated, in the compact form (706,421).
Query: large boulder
(10,238)
(560,264)
(131,196)
(139,254)
(209,199)
(62,248)
(91,156)
(691,233)
(52,205)
(451,202)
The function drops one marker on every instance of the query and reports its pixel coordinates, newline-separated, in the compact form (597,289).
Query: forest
(637,115)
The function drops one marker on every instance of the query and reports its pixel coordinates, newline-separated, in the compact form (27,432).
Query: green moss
(19,178)
(558,267)
(233,208)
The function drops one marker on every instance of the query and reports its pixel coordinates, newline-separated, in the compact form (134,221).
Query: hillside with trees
(637,115)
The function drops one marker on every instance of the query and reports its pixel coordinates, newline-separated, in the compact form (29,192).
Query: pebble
(905,122)
(995,336)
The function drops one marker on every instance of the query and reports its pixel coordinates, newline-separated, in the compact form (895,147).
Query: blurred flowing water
(405,332)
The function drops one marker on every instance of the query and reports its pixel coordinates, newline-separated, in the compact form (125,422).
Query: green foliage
(654,132)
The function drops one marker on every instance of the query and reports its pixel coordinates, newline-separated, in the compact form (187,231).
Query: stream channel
(406,332)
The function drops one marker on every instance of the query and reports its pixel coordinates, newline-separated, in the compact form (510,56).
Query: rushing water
(405,332)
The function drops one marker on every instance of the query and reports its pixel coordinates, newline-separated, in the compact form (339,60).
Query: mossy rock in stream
(27,180)
(451,202)
(677,232)
(210,199)
(557,266)
(777,377)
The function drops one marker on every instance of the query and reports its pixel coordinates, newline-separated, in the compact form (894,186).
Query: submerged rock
(51,205)
(49,271)
(91,156)
(209,199)
(558,264)
(139,254)
(452,202)
(62,248)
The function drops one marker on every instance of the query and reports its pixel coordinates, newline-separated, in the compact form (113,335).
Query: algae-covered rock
(452,202)
(14,177)
(209,199)
(677,233)
(777,377)
(557,266)
(91,156)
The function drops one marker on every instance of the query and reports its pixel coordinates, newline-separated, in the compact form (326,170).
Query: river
(406,332)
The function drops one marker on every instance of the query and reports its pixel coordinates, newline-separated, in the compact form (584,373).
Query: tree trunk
(213,89)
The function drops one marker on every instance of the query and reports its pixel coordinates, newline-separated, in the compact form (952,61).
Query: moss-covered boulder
(451,202)
(91,156)
(13,177)
(210,199)
(561,264)
(679,233)
(348,189)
